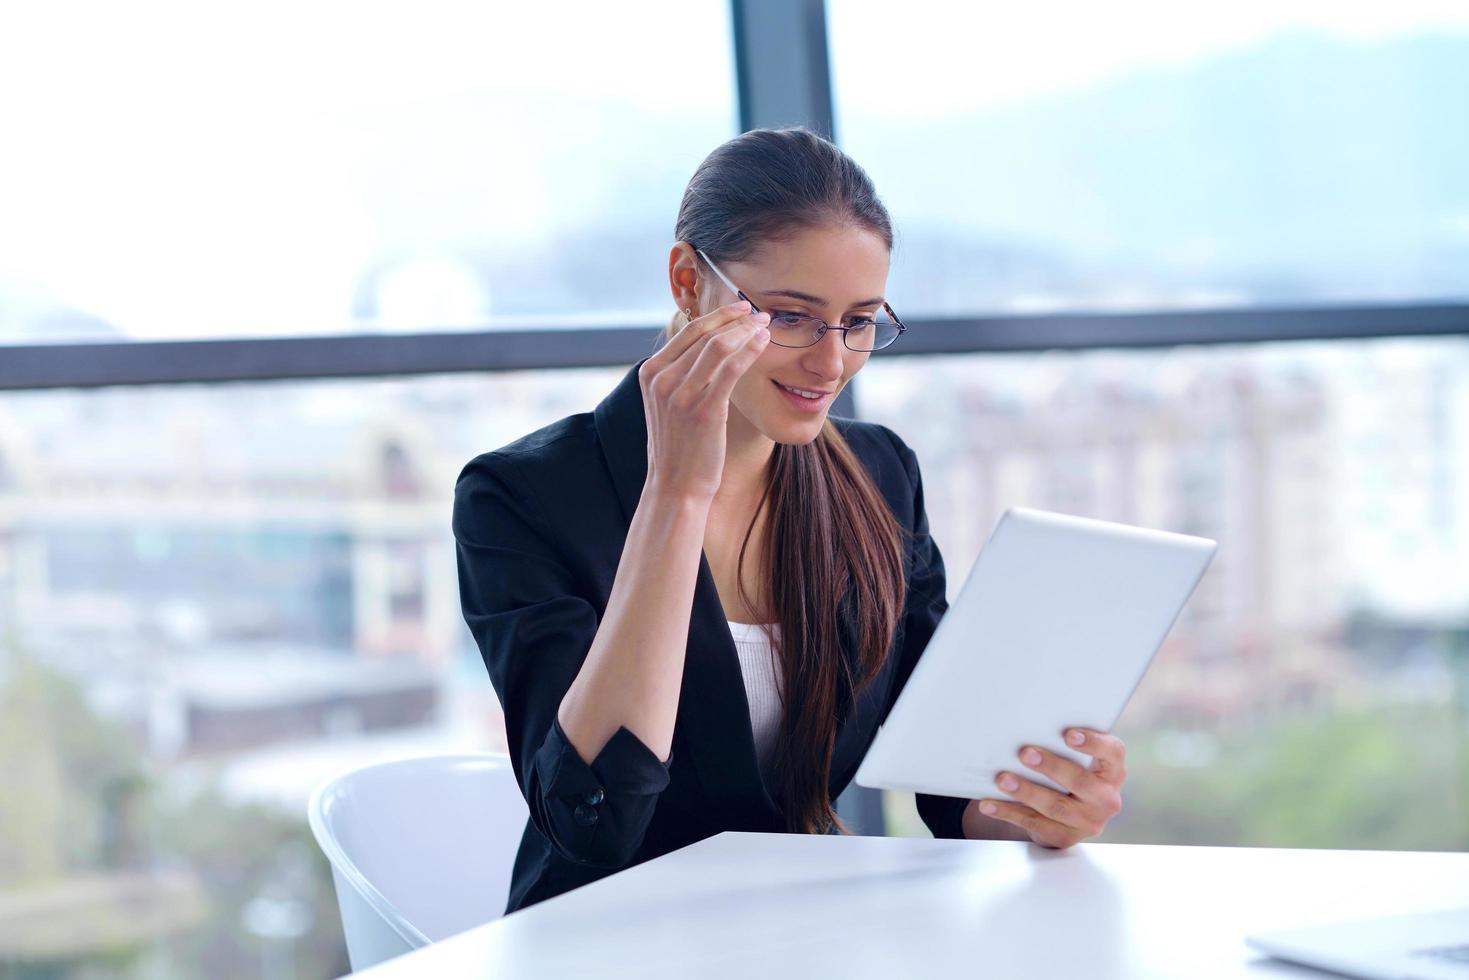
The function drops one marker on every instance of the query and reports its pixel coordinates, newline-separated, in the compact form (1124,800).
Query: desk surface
(778,905)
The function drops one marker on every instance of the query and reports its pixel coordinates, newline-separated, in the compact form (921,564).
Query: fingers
(678,363)
(721,358)
(696,376)
(1077,815)
(1109,759)
(1101,789)
(1058,819)
(697,330)
(1086,809)
(1075,778)
(1108,752)
(1043,830)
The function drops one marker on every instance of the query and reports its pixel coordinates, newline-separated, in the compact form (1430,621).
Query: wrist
(676,499)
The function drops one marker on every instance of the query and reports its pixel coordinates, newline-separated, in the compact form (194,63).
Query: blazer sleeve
(925,606)
(534,630)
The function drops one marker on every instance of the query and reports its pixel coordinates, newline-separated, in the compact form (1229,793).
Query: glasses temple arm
(725,279)
(902,327)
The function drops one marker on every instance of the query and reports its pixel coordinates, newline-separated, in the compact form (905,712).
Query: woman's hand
(686,388)
(1050,818)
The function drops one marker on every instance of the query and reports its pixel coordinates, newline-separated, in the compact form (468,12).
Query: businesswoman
(698,601)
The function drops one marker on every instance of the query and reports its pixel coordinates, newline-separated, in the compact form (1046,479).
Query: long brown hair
(834,556)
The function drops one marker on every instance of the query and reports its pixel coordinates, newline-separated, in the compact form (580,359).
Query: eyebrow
(816,300)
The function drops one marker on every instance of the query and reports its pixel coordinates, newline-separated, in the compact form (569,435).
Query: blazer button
(585,815)
(594,797)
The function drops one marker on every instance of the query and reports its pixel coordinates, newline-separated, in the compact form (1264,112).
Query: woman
(698,601)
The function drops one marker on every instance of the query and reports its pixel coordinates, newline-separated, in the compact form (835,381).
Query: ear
(683,277)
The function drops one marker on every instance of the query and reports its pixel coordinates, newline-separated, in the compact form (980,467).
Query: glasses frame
(821,331)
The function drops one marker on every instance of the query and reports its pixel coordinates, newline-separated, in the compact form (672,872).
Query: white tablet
(1054,628)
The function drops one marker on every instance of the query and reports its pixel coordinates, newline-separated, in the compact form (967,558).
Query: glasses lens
(794,329)
(799,330)
(874,334)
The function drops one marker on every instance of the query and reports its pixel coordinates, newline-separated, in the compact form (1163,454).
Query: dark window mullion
(376,355)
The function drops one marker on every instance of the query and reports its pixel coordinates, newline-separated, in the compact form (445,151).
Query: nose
(825,358)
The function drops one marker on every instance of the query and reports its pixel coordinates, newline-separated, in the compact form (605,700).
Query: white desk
(766,906)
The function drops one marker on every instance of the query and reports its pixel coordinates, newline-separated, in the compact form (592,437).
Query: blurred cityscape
(251,586)
(1334,477)
(236,592)
(298,533)
(292,524)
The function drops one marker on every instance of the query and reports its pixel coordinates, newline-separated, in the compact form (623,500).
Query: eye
(861,322)
(787,318)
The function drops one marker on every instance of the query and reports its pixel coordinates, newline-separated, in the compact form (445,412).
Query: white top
(799,905)
(753,643)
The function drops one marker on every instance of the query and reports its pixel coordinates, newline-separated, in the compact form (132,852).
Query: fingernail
(1009,783)
(1030,757)
(1076,738)
(762,317)
(988,808)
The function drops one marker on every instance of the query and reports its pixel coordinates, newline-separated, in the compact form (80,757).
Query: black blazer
(540,526)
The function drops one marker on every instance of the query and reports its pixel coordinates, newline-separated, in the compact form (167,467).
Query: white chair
(420,849)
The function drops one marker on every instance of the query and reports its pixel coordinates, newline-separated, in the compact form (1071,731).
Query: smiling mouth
(805,393)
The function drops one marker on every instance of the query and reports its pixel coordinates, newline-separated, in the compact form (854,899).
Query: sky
(976,55)
(169,164)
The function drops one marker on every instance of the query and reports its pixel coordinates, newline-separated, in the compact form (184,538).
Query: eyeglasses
(789,329)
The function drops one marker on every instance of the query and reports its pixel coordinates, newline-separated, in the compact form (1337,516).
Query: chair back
(420,849)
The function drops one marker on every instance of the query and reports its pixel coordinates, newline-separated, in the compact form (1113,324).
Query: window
(211,596)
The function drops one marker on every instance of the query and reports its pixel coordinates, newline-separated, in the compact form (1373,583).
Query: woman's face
(835,272)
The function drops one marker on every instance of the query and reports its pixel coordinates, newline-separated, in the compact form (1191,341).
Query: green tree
(59,761)
(104,876)
(1390,777)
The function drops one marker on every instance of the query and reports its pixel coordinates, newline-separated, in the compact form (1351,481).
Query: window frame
(87,365)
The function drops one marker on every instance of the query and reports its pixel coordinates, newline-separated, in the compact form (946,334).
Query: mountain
(1303,168)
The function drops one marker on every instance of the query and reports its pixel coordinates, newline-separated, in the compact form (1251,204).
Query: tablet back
(1057,622)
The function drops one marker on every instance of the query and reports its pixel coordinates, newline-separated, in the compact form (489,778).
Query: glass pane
(1143,155)
(212,598)
(173,170)
(1314,691)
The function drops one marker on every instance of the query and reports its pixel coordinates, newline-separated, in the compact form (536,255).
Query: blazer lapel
(713,712)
